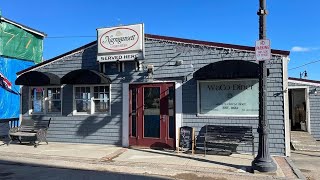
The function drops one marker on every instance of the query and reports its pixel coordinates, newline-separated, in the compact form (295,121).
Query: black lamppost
(263,162)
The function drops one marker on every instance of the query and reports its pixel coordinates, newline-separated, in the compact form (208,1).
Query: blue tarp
(10,97)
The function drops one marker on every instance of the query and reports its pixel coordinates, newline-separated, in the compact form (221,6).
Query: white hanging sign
(120,43)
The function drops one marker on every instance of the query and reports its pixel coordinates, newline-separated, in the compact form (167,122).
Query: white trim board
(298,87)
(24,27)
(178,104)
(286,106)
(307,98)
(303,82)
(125,114)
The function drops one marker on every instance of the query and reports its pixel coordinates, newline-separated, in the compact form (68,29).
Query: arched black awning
(37,78)
(228,69)
(85,76)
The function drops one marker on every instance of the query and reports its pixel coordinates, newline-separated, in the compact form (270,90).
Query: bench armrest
(14,130)
(42,134)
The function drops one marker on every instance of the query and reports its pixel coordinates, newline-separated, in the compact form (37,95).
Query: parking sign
(263,50)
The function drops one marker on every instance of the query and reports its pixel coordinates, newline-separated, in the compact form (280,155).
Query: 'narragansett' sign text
(120,43)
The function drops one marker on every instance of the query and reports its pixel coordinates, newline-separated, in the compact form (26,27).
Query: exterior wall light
(314,91)
(179,62)
(150,70)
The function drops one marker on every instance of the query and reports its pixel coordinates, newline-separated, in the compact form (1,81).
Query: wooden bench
(228,135)
(34,130)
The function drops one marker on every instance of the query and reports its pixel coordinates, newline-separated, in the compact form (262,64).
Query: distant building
(20,48)
(304,106)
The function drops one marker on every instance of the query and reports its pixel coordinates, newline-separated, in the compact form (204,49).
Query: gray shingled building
(144,102)
(304,106)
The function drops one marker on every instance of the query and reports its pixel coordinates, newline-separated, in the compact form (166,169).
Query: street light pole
(263,162)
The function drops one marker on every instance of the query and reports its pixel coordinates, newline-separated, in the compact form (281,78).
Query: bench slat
(25,134)
(217,134)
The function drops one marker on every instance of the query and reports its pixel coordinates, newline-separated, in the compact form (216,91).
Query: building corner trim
(125,115)
(286,105)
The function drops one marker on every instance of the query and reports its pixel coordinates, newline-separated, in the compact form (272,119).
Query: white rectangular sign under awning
(121,43)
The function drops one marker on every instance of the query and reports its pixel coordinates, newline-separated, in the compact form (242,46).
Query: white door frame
(306,90)
(125,109)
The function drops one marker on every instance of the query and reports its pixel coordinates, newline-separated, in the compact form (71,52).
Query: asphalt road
(21,171)
(308,163)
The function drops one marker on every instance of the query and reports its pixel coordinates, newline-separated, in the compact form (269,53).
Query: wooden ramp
(303,141)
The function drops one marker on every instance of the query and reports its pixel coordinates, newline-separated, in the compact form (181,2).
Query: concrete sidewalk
(159,162)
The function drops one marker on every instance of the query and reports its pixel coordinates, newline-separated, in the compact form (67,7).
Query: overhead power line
(61,37)
(304,64)
(53,37)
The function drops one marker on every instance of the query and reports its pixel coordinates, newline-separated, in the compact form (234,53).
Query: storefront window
(54,100)
(92,99)
(101,98)
(229,97)
(82,99)
(45,100)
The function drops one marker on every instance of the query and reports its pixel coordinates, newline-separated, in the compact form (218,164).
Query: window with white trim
(101,99)
(82,100)
(53,100)
(45,100)
(238,97)
(91,99)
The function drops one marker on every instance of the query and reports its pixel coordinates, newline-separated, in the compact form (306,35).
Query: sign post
(263,162)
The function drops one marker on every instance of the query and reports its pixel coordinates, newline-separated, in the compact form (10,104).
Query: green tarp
(19,43)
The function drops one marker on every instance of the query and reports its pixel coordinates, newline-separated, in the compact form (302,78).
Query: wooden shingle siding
(100,129)
(163,55)
(194,60)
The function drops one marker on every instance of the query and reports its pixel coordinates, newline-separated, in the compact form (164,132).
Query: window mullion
(92,100)
(30,100)
(45,101)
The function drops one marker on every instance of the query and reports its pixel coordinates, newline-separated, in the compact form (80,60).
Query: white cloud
(303,49)
(300,49)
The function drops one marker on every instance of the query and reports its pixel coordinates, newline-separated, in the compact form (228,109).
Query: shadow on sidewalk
(18,170)
(168,153)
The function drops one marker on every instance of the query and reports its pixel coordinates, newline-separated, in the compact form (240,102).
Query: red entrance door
(152,115)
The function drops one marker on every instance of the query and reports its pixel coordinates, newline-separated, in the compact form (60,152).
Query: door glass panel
(133,112)
(171,105)
(37,96)
(152,112)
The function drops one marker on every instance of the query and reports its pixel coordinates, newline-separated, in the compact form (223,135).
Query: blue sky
(291,24)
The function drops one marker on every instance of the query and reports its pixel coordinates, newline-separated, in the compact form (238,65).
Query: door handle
(164,118)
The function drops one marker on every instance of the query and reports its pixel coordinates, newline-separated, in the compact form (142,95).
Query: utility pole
(263,162)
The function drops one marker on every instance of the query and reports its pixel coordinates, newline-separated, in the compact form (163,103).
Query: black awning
(228,69)
(36,78)
(85,76)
